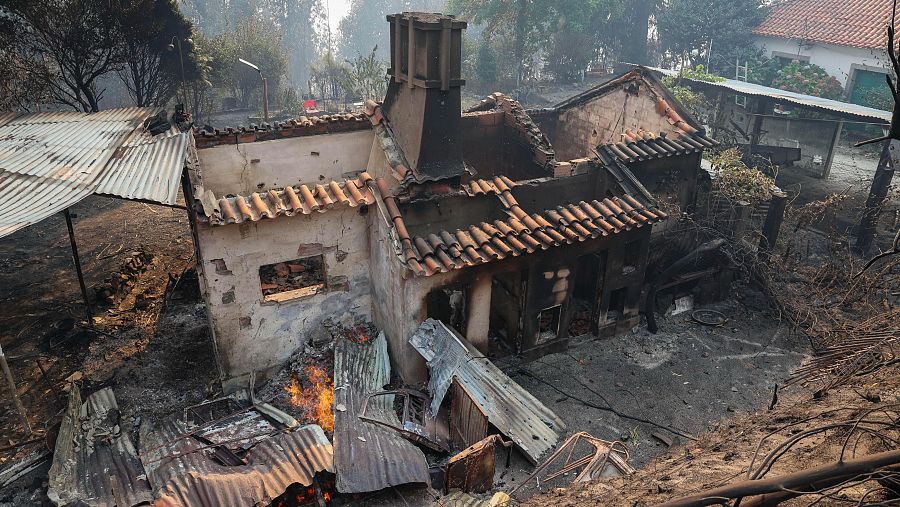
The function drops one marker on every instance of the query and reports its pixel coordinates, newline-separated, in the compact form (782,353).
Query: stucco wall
(254,335)
(836,60)
(601,120)
(249,167)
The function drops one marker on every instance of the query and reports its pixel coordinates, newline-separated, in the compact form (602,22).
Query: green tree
(365,26)
(152,69)
(364,77)
(693,31)
(519,29)
(253,40)
(569,54)
(328,76)
(486,65)
(65,46)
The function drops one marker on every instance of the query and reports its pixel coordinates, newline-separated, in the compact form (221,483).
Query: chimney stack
(423,102)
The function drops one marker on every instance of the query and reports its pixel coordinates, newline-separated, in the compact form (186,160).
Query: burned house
(635,121)
(507,229)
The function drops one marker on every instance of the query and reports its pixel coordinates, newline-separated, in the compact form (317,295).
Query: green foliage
(761,69)
(365,27)
(65,46)
(152,69)
(327,76)
(569,55)
(699,73)
(691,29)
(255,41)
(519,29)
(737,181)
(364,78)
(695,102)
(878,98)
(486,68)
(808,79)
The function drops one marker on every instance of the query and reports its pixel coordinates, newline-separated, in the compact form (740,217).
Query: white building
(845,37)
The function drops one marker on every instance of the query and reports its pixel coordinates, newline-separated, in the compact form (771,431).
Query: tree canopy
(697,31)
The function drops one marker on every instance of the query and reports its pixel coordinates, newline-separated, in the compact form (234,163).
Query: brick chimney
(423,98)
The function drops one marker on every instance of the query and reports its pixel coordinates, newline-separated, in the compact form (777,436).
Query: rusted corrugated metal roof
(368,456)
(92,452)
(50,161)
(532,427)
(183,473)
(289,201)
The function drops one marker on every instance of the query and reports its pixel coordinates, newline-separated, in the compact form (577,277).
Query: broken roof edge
(301,127)
(669,104)
(517,116)
(300,199)
(521,233)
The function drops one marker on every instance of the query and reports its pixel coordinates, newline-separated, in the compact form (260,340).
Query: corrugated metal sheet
(183,473)
(368,456)
(50,161)
(817,103)
(92,452)
(532,427)
(147,168)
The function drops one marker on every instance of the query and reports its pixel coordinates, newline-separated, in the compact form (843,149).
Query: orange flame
(315,401)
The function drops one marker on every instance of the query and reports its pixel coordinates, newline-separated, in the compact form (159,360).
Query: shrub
(808,79)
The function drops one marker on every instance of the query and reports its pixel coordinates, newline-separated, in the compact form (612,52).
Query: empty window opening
(293,279)
(548,323)
(447,305)
(616,306)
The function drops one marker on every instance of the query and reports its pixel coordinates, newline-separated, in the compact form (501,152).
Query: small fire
(358,334)
(316,400)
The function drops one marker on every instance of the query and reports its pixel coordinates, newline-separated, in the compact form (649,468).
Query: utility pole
(890,157)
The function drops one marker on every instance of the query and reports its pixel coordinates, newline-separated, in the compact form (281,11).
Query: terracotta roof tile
(303,126)
(855,23)
(519,234)
(299,199)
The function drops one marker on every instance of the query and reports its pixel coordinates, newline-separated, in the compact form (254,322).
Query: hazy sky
(336,9)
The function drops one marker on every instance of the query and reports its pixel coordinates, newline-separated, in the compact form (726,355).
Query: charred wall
(248,167)
(492,147)
(672,180)
(581,127)
(253,334)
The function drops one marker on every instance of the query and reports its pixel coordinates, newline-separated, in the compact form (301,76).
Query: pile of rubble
(120,283)
(354,434)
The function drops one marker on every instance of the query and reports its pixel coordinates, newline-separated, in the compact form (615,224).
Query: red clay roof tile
(854,23)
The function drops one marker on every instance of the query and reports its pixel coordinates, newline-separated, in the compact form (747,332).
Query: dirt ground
(151,344)
(724,453)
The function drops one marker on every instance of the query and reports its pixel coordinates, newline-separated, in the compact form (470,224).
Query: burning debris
(314,397)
